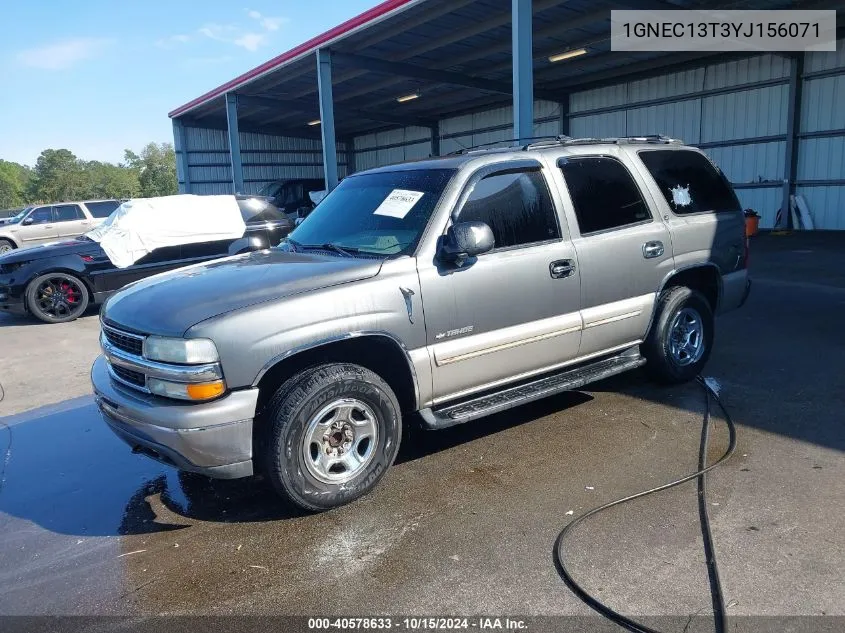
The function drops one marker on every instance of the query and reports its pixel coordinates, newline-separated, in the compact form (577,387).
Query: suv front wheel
(681,337)
(331,434)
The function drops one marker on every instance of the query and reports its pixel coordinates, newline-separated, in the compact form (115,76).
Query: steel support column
(234,142)
(324,86)
(181,146)
(435,139)
(350,156)
(793,124)
(564,115)
(523,70)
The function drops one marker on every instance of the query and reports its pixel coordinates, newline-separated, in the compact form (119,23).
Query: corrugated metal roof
(470,37)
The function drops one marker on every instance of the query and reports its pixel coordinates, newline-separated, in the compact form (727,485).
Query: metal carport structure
(413,78)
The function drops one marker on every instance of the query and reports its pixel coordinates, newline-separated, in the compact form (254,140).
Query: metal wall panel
(598,125)
(815,62)
(665,86)
(826,205)
(680,119)
(823,104)
(759,162)
(821,158)
(746,71)
(266,158)
(744,114)
(599,98)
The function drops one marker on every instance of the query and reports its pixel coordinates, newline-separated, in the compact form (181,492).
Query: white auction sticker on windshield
(398,203)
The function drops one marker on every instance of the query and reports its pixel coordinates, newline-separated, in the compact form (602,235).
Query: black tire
(668,364)
(6,246)
(289,430)
(72,292)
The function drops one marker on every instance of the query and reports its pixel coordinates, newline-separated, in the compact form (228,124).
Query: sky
(97,76)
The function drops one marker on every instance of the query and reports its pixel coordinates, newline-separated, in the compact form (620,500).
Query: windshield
(383,213)
(20,216)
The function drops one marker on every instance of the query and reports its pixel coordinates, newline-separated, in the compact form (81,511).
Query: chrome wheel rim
(686,337)
(340,441)
(59,296)
(5,248)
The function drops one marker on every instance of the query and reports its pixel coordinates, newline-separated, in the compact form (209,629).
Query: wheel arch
(10,238)
(62,270)
(704,277)
(379,352)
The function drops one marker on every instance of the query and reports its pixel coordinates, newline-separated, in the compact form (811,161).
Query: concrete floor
(466,521)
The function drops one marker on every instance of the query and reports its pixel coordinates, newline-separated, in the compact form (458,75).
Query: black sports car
(57,282)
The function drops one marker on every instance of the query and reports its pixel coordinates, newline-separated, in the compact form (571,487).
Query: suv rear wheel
(681,337)
(331,434)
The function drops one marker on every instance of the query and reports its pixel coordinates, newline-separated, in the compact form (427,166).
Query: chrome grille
(127,375)
(130,343)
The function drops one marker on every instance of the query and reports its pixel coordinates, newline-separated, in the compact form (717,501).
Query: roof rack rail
(619,140)
(482,146)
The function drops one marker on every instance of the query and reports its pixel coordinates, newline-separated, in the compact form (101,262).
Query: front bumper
(9,302)
(212,438)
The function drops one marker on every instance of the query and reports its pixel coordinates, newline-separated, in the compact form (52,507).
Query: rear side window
(516,205)
(689,182)
(102,209)
(603,193)
(67,212)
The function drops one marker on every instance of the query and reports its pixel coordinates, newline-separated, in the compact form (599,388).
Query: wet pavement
(466,520)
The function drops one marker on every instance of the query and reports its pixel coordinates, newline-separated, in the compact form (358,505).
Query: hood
(53,249)
(171,303)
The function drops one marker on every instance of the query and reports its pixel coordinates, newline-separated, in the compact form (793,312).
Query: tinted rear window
(690,182)
(102,209)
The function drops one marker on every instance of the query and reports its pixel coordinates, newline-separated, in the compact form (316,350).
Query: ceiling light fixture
(568,55)
(410,97)
(314,122)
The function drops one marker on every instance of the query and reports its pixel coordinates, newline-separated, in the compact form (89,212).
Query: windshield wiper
(346,251)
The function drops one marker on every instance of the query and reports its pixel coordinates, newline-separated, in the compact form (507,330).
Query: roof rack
(487,146)
(561,139)
(657,139)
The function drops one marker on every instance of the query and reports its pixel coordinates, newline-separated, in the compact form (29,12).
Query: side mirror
(464,240)
(27,222)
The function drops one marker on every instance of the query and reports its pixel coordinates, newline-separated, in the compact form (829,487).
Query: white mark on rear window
(680,196)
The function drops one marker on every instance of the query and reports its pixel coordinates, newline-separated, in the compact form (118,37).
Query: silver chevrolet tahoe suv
(440,291)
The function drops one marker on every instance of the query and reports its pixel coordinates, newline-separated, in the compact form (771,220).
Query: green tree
(58,176)
(105,180)
(14,180)
(156,168)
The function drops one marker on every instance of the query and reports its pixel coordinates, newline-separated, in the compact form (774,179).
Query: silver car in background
(44,223)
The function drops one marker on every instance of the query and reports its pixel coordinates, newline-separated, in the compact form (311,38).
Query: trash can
(752,222)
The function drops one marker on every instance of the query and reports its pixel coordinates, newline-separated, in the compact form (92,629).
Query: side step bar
(535,389)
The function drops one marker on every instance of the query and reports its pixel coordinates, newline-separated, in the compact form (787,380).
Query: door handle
(653,249)
(561,268)
(48,226)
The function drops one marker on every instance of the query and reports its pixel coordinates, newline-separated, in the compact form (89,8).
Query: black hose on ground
(712,568)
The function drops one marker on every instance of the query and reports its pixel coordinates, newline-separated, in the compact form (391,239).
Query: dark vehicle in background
(8,214)
(56,283)
(291,196)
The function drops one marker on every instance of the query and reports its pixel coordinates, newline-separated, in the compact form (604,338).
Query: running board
(509,397)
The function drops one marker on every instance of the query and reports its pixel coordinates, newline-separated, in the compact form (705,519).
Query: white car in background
(44,223)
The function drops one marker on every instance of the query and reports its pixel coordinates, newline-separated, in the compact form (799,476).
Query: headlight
(185,351)
(186,391)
